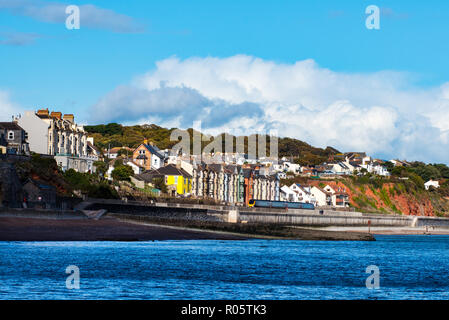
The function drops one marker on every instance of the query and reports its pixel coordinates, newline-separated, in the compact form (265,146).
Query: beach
(106,229)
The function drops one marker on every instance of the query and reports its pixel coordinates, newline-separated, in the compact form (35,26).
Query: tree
(122,173)
(159,183)
(101,168)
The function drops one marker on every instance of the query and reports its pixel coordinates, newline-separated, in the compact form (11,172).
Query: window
(10,135)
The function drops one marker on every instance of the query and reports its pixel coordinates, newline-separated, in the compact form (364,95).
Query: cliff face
(10,186)
(390,198)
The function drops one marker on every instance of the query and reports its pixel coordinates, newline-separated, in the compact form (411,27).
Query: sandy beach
(107,229)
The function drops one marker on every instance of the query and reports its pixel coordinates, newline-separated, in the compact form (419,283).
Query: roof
(154,150)
(10,126)
(168,170)
(90,145)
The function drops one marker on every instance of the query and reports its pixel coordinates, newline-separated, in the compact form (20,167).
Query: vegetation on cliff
(45,169)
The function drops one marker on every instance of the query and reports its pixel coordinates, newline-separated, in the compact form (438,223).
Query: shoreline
(106,229)
(125,228)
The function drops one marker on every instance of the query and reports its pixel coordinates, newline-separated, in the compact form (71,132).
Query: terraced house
(55,134)
(233,184)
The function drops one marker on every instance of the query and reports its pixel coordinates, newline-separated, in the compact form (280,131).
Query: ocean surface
(411,267)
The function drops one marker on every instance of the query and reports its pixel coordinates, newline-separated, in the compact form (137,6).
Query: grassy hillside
(116,135)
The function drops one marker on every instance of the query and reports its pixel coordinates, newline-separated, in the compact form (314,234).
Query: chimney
(145,141)
(69,117)
(57,115)
(178,164)
(42,112)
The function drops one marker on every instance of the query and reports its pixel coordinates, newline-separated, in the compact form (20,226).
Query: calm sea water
(411,267)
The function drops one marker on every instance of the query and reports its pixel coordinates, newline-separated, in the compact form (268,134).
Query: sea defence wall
(41,214)
(326,219)
(233,214)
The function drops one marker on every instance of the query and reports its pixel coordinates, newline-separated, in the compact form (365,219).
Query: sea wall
(41,214)
(327,219)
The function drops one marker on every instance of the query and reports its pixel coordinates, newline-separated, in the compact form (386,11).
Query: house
(234,184)
(303,193)
(92,151)
(337,197)
(137,169)
(400,163)
(342,168)
(178,181)
(148,156)
(51,133)
(321,196)
(113,153)
(431,183)
(291,167)
(288,195)
(13,139)
(359,157)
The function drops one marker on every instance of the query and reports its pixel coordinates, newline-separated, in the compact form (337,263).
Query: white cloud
(90,16)
(382,113)
(8,108)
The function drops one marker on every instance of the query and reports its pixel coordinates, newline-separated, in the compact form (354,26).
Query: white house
(136,168)
(288,194)
(431,183)
(291,167)
(341,168)
(303,193)
(322,197)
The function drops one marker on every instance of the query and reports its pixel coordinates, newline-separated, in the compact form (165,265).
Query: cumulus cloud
(383,113)
(7,107)
(91,16)
(186,105)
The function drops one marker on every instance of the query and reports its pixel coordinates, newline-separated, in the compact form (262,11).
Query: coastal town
(147,171)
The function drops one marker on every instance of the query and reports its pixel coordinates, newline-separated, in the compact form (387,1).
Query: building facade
(52,133)
(13,139)
(233,184)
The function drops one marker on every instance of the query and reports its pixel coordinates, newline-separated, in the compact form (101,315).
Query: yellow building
(178,181)
(182,183)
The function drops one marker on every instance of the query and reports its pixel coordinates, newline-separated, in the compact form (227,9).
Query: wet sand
(107,229)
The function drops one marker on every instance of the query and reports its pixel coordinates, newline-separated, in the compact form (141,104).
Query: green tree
(122,173)
(101,168)
(159,183)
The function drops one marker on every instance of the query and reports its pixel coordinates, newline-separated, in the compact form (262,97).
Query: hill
(116,135)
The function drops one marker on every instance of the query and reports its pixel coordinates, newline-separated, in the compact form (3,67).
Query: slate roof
(168,170)
(10,126)
(154,150)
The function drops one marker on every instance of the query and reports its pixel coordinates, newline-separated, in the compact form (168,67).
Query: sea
(393,267)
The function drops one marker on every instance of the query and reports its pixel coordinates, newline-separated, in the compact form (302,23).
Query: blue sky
(86,71)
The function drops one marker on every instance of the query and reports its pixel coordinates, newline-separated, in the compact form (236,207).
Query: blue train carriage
(280,204)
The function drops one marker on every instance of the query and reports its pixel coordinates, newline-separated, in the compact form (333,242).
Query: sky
(311,70)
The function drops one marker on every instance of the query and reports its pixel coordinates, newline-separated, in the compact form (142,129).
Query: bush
(122,173)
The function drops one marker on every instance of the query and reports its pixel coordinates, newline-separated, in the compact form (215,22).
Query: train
(280,204)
